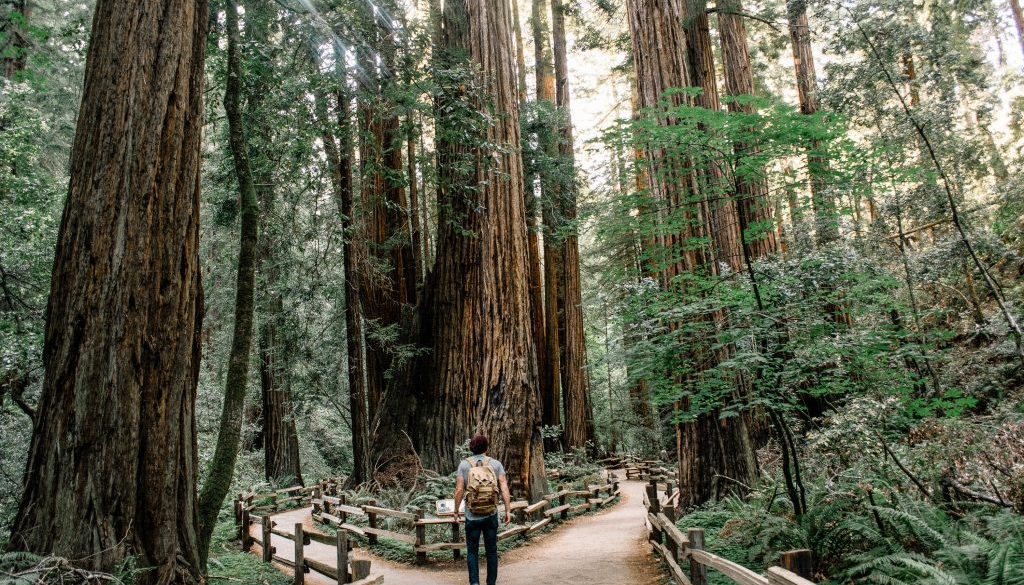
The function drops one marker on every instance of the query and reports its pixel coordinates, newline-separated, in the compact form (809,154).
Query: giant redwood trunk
(278,437)
(484,366)
(706,445)
(723,224)
(111,471)
(282,464)
(753,207)
(579,412)
(222,466)
(532,228)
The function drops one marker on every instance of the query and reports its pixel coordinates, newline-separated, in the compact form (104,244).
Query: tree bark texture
(549,358)
(339,155)
(222,467)
(826,223)
(111,471)
(484,363)
(579,411)
(388,283)
(706,445)
(754,207)
(724,227)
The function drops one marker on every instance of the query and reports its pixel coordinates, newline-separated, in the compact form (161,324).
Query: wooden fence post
(561,502)
(342,514)
(243,533)
(798,561)
(342,552)
(238,510)
(698,572)
(421,538)
(268,549)
(673,547)
(456,537)
(652,496)
(300,555)
(360,569)
(371,521)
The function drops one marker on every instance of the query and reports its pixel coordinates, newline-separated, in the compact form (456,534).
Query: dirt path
(605,548)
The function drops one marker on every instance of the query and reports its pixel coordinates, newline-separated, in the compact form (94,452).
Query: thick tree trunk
(579,411)
(111,471)
(754,207)
(550,368)
(280,440)
(724,227)
(339,161)
(222,467)
(826,222)
(706,445)
(533,230)
(484,363)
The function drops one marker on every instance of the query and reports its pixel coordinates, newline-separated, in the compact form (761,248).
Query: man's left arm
(507,497)
(460,485)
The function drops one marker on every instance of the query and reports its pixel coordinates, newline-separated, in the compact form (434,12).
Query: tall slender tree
(222,467)
(550,370)
(338,147)
(485,370)
(579,411)
(826,226)
(111,472)
(279,438)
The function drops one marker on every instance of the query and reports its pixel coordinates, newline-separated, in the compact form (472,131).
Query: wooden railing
(337,511)
(344,570)
(678,549)
(256,508)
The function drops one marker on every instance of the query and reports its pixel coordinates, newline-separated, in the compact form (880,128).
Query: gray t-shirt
(499,472)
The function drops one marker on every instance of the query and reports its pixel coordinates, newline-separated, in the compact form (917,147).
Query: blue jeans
(489,527)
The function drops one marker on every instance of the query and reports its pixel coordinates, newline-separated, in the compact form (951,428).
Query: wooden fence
(256,508)
(331,507)
(678,549)
(411,527)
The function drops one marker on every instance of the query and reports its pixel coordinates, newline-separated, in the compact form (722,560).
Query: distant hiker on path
(479,478)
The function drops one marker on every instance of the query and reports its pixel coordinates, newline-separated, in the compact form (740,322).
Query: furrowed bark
(579,411)
(111,471)
(483,361)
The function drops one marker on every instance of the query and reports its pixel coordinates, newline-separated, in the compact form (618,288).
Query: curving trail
(605,548)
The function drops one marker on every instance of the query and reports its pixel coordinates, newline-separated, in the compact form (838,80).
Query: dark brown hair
(478,444)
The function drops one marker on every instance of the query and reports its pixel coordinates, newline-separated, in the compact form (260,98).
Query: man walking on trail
(480,478)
